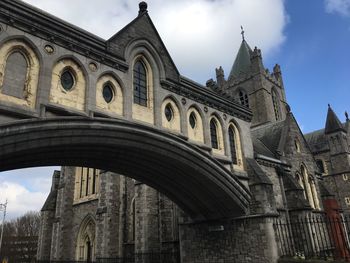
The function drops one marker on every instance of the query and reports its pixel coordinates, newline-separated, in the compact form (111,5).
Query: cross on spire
(242,33)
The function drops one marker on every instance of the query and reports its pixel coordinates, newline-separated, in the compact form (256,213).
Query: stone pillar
(107,232)
(64,214)
(147,220)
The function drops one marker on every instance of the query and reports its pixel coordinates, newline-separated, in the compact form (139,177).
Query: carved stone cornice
(203,95)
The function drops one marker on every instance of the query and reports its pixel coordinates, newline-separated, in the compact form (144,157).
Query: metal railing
(314,237)
(148,257)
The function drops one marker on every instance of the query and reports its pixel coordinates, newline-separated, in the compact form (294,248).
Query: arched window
(68,84)
(297,145)
(15,75)
(242,98)
(309,188)
(233,148)
(299,177)
(276,105)
(214,134)
(19,73)
(195,125)
(140,83)
(320,166)
(109,94)
(86,183)
(171,115)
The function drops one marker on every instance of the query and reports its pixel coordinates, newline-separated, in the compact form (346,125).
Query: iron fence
(149,257)
(314,237)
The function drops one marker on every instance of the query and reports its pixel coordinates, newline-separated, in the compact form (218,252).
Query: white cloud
(25,189)
(341,7)
(20,199)
(199,34)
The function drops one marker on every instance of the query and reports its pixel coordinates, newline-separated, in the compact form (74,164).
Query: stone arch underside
(196,182)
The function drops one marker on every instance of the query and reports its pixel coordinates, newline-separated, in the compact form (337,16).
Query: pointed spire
(346,116)
(333,124)
(242,61)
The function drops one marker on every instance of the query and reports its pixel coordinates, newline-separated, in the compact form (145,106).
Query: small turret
(257,63)
(347,125)
(333,124)
(277,72)
(338,144)
(220,77)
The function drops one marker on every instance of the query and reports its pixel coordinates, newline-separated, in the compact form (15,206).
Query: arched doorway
(86,240)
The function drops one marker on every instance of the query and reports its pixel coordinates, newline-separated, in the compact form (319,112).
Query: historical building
(180,171)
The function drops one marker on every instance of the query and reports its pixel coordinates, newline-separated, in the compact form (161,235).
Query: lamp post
(3,209)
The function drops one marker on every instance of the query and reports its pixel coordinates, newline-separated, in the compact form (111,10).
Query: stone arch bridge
(195,181)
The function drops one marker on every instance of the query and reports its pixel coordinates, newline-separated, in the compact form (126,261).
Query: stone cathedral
(240,123)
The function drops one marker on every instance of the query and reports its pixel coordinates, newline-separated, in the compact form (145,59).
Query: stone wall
(246,240)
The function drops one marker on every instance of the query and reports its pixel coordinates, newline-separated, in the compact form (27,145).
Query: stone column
(147,220)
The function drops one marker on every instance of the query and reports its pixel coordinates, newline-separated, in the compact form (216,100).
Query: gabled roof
(142,28)
(267,138)
(242,62)
(333,124)
(273,136)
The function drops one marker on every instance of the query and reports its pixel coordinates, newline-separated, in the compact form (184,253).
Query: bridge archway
(190,177)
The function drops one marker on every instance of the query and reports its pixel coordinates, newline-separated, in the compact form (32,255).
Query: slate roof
(242,62)
(317,141)
(256,174)
(267,138)
(50,203)
(51,200)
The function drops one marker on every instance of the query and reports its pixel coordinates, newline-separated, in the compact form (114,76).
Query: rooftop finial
(242,33)
(142,7)
(346,116)
(329,105)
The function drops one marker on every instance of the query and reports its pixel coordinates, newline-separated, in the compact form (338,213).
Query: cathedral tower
(253,86)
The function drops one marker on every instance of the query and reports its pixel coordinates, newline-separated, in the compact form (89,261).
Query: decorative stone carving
(49,49)
(93,66)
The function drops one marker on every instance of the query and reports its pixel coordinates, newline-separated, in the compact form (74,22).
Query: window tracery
(86,183)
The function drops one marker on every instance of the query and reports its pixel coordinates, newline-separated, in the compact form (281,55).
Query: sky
(309,39)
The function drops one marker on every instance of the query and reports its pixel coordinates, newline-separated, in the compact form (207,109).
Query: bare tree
(21,237)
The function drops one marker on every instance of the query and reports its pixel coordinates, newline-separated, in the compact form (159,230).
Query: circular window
(107,93)
(168,111)
(67,80)
(193,120)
